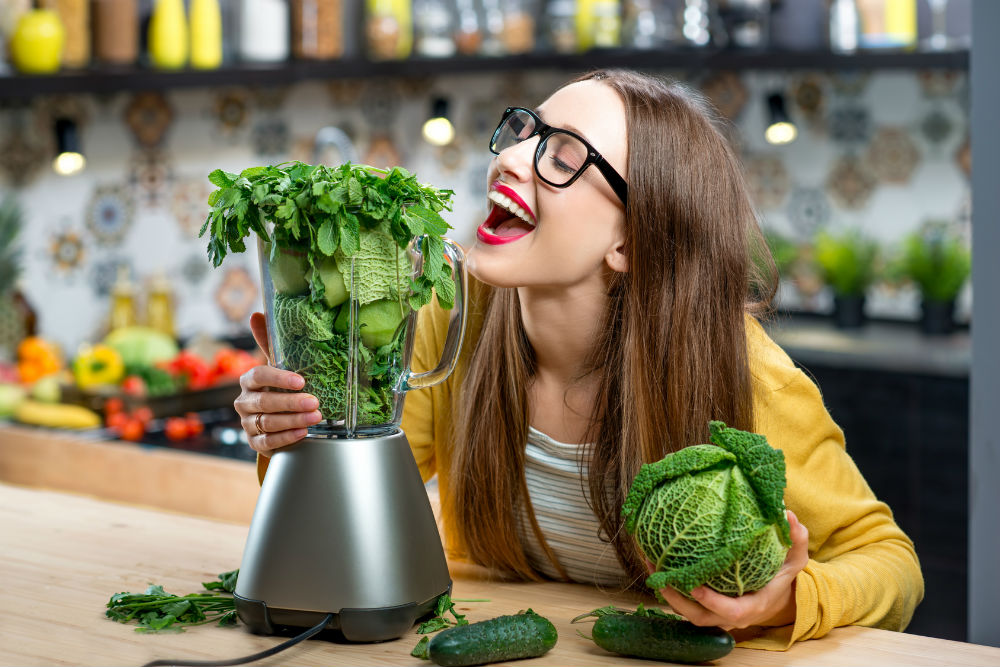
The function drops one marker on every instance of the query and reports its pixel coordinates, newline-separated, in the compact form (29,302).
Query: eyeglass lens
(559,157)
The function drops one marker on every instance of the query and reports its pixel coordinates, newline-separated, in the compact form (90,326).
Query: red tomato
(194,424)
(176,429)
(115,421)
(133,385)
(113,406)
(132,430)
(143,414)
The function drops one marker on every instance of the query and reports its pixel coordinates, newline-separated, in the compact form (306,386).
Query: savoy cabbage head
(712,514)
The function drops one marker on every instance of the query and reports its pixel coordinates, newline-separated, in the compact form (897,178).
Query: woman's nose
(517,160)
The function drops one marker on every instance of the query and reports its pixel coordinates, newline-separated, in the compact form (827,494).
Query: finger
(258,326)
(260,377)
(689,609)
(267,443)
(275,423)
(798,555)
(733,612)
(251,402)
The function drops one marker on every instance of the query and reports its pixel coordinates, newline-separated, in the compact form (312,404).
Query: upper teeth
(505,202)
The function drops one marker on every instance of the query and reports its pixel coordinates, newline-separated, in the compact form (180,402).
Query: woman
(612,318)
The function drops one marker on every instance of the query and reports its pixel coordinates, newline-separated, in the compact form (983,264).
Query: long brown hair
(671,354)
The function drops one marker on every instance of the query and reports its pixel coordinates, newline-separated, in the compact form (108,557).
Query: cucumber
(524,635)
(660,637)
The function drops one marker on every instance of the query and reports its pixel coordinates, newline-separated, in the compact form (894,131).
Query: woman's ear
(617,258)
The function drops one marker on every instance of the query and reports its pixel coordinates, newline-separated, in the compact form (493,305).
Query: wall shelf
(112,80)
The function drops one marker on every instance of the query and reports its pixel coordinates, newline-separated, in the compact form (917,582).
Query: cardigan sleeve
(419,419)
(862,568)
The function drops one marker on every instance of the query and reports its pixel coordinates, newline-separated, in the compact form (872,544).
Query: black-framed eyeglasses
(561,155)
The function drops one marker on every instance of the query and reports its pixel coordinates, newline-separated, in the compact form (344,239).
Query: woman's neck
(562,324)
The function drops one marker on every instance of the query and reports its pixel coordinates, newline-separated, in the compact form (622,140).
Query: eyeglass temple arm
(615,180)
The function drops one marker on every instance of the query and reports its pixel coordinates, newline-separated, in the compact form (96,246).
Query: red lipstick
(484,234)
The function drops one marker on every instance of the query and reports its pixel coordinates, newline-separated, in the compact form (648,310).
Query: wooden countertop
(64,555)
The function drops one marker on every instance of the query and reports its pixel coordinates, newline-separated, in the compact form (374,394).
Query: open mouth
(508,221)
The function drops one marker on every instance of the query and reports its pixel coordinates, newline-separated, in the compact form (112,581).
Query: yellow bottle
(168,35)
(389,29)
(159,306)
(122,301)
(206,34)
(598,24)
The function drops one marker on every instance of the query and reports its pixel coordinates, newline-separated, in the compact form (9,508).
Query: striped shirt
(557,482)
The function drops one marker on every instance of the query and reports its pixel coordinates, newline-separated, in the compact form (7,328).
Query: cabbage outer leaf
(764,468)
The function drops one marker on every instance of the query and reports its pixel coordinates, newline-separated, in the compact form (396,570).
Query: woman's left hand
(772,605)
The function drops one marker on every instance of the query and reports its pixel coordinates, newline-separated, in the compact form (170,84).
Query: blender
(343,524)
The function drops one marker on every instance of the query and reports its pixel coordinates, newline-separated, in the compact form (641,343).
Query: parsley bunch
(156,610)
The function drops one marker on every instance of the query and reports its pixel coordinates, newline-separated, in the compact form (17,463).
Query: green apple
(335,291)
(379,321)
(37,43)
(288,273)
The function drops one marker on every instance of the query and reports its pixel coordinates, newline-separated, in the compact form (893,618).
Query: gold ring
(260,429)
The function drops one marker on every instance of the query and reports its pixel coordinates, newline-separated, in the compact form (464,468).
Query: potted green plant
(848,263)
(938,263)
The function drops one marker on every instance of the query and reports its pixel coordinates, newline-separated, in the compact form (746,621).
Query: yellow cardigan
(862,568)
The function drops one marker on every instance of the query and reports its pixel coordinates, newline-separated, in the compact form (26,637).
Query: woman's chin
(492,271)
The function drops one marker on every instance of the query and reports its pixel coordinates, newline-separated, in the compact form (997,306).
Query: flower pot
(937,317)
(848,311)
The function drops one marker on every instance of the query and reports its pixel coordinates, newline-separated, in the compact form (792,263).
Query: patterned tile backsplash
(884,151)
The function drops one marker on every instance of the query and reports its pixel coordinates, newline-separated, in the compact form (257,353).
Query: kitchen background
(883,151)
(877,89)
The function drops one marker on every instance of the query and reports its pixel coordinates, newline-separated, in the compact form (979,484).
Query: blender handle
(456,326)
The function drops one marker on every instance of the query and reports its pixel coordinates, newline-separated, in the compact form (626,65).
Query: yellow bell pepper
(98,365)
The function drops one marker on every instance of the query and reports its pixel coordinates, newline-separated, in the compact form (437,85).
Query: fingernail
(310,403)
(297,382)
(315,417)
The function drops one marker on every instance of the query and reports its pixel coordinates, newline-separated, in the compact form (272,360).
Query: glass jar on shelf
(745,23)
(560,26)
(468,28)
(492,44)
(518,35)
(388,29)
(264,31)
(433,29)
(645,25)
(317,29)
(116,31)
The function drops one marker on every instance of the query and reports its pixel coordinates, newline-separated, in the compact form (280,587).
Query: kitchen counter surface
(66,554)
(887,346)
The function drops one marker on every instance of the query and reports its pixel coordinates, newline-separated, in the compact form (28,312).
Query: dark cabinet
(908,432)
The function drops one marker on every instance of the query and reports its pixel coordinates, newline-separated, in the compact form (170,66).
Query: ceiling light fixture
(438,130)
(780,128)
(69,155)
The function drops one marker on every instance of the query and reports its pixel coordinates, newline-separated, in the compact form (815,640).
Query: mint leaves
(318,209)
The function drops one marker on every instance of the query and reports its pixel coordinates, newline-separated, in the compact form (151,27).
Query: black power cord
(314,630)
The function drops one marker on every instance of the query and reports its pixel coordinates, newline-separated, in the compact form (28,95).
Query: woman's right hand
(282,417)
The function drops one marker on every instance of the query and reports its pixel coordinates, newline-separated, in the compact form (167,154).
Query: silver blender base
(342,526)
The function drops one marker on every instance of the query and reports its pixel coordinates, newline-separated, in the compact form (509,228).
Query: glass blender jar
(343,524)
